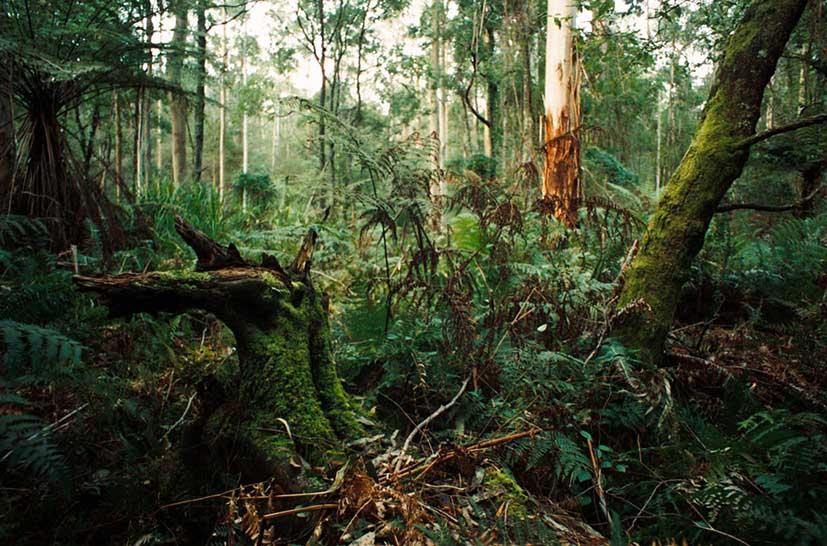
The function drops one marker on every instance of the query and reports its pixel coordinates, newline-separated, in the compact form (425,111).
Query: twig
(47,429)
(183,415)
(801,123)
(598,480)
(424,423)
(292,511)
(224,494)
(769,208)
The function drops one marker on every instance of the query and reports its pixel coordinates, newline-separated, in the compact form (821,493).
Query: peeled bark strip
(675,233)
(561,175)
(281,328)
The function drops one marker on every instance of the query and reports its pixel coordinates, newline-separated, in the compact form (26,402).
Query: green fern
(572,464)
(26,444)
(17,231)
(31,353)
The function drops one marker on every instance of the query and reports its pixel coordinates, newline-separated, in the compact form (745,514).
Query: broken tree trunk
(561,174)
(281,329)
(716,157)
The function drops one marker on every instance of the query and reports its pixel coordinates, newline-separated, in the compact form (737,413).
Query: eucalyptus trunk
(561,175)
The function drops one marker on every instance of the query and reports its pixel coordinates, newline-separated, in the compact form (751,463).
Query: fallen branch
(229,492)
(424,423)
(292,511)
(423,467)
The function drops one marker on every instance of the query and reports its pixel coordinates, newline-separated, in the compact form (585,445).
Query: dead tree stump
(282,334)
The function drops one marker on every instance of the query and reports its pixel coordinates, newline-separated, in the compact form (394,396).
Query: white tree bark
(222,119)
(560,76)
(561,177)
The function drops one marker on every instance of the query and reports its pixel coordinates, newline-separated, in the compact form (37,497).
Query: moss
(286,370)
(676,230)
(508,490)
(176,277)
(288,373)
(325,376)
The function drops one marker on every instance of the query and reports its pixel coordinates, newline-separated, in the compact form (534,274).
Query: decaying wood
(282,335)
(211,255)
(420,468)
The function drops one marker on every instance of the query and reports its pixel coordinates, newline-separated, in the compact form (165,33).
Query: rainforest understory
(413,273)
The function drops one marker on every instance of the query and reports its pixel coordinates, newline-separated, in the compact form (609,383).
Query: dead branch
(423,467)
(293,511)
(799,124)
(424,423)
(769,208)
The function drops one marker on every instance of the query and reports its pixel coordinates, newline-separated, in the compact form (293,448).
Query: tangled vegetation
(394,350)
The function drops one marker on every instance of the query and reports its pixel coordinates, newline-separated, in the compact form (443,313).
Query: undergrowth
(427,291)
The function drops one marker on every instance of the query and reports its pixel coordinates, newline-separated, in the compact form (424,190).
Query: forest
(413,272)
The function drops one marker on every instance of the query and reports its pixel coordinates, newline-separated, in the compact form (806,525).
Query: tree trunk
(222,115)
(116,106)
(494,134)
(282,335)
(159,137)
(811,178)
(716,157)
(658,148)
(146,107)
(443,101)
(528,116)
(245,150)
(137,118)
(177,102)
(561,175)
(200,92)
(323,92)
(433,84)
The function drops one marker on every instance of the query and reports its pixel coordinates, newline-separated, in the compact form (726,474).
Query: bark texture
(200,91)
(561,174)
(177,101)
(283,339)
(676,230)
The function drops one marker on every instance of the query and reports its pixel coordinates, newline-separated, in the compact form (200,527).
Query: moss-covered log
(281,328)
(716,157)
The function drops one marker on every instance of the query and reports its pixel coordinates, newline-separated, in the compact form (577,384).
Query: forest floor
(438,493)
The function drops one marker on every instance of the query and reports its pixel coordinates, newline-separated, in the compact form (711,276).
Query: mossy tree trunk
(281,328)
(716,157)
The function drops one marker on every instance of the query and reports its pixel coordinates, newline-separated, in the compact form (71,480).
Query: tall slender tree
(200,88)
(222,112)
(177,101)
(561,175)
